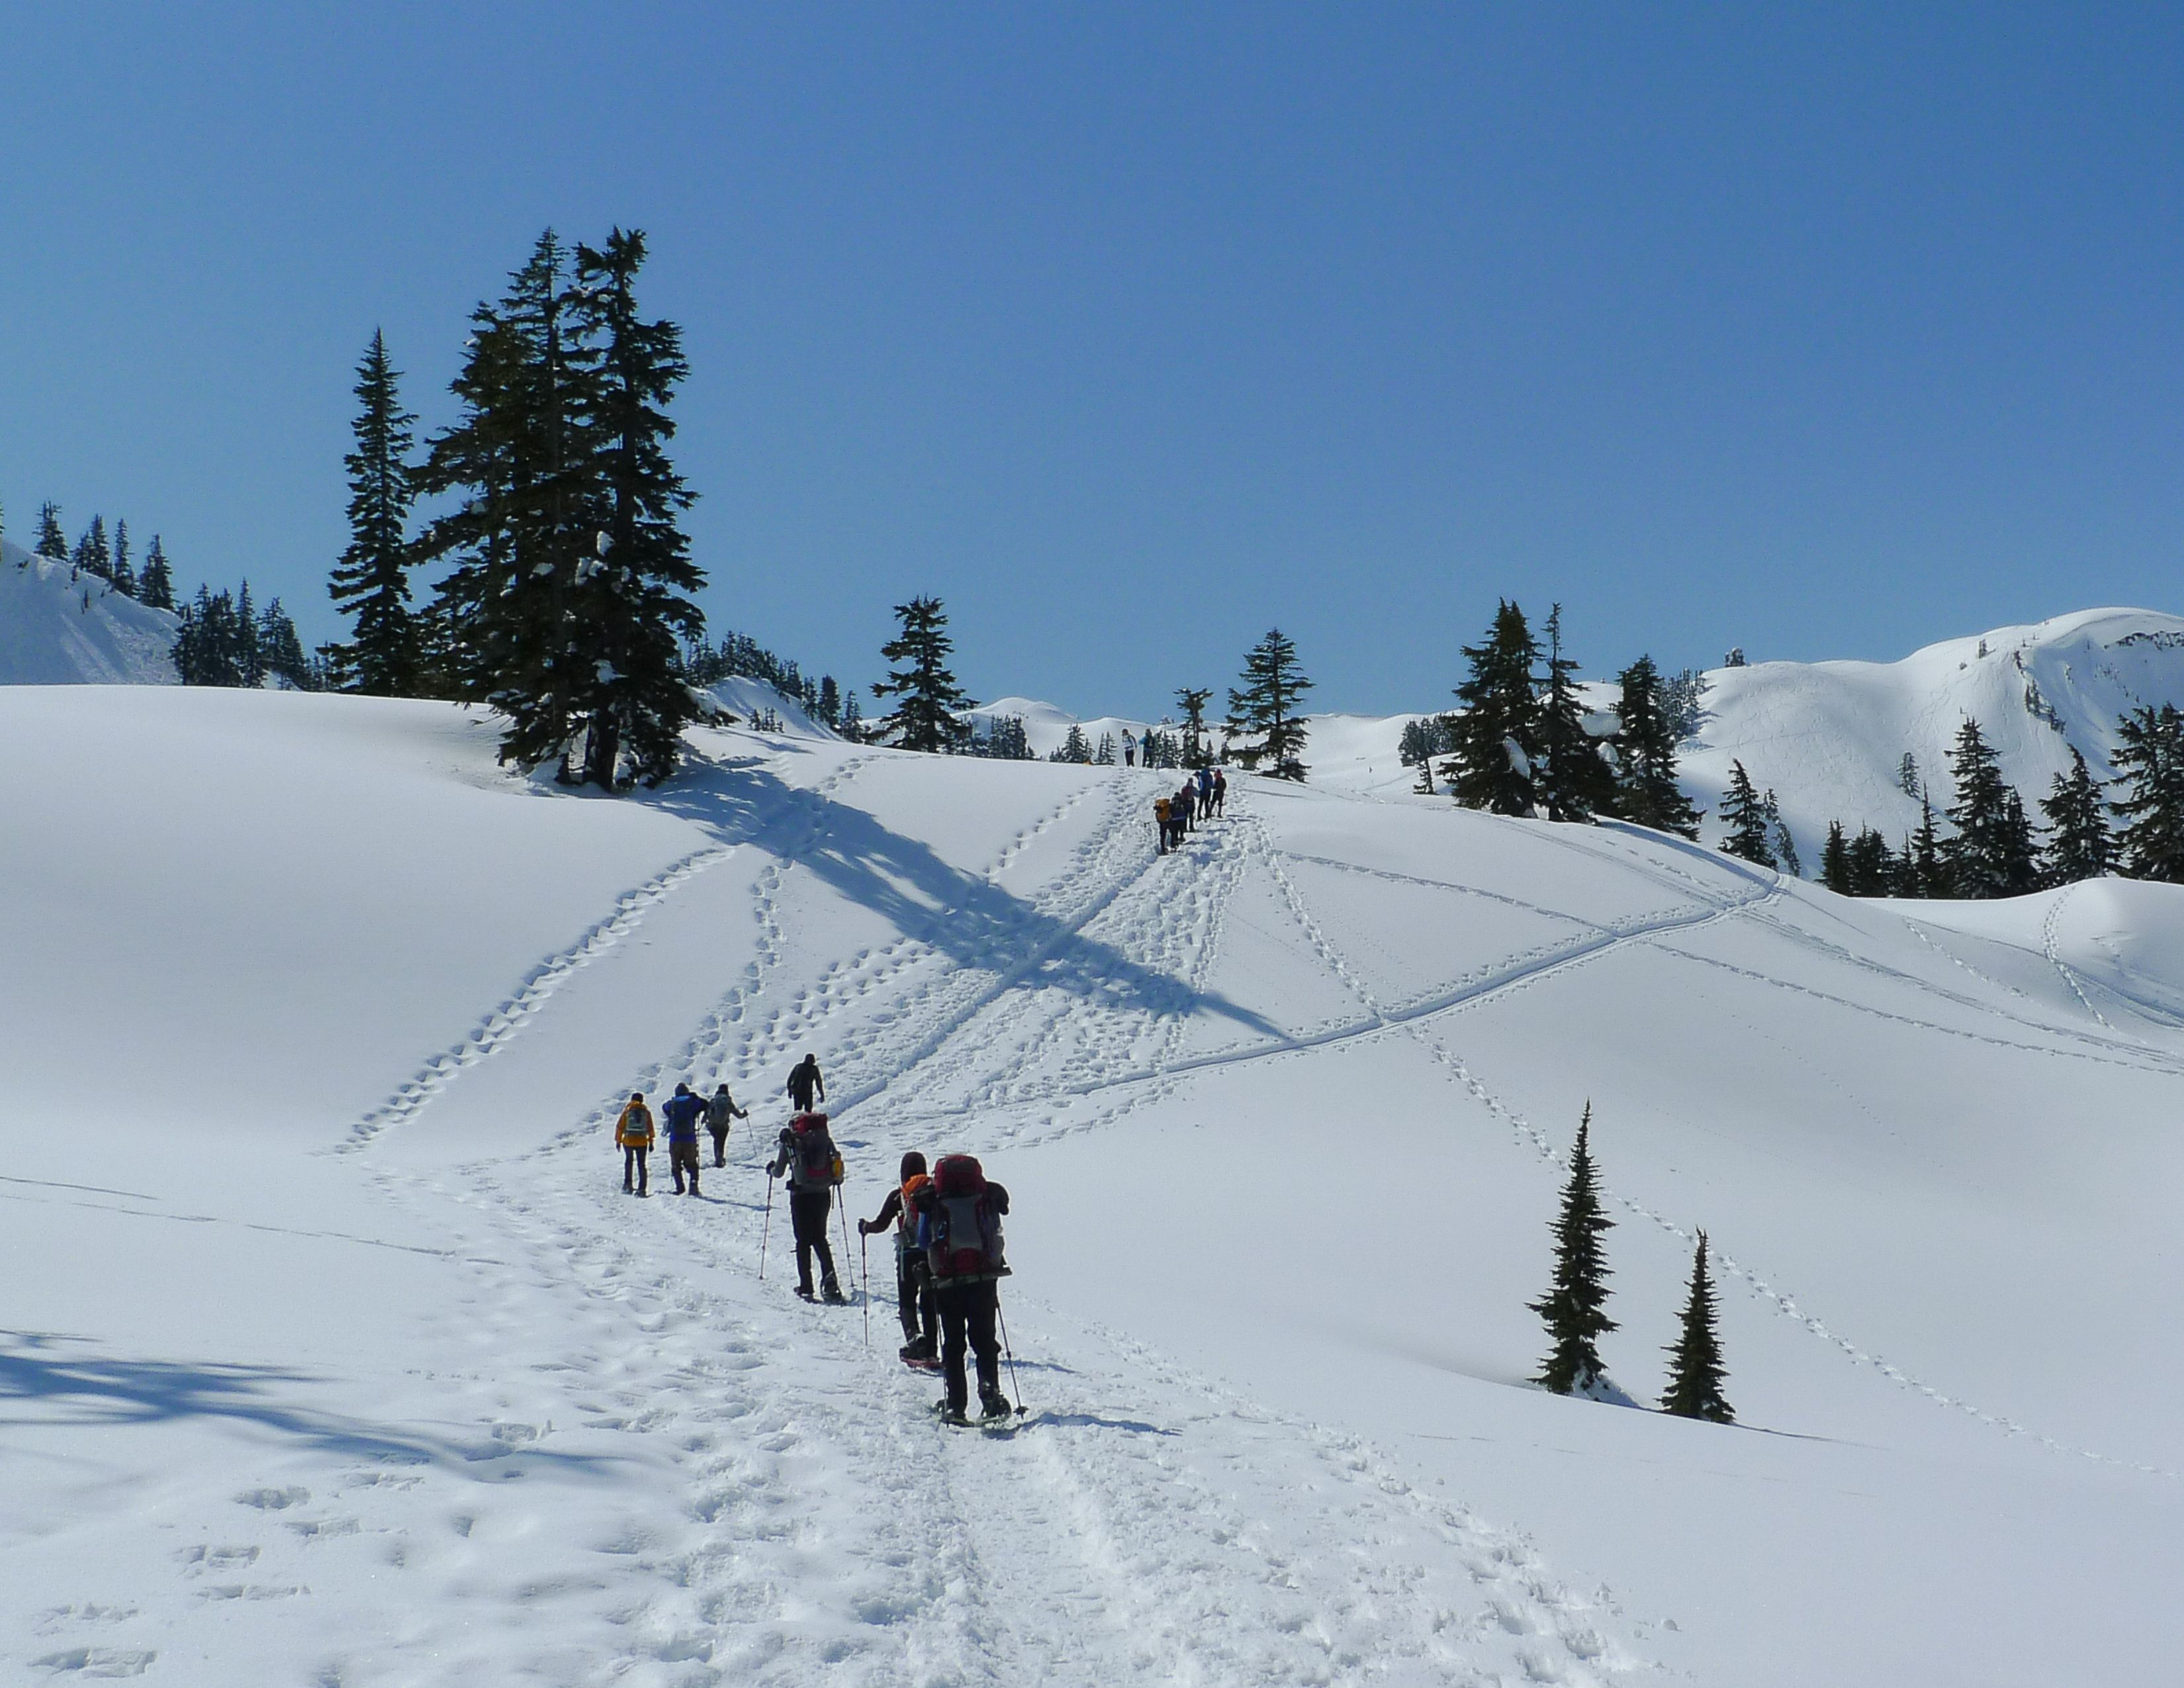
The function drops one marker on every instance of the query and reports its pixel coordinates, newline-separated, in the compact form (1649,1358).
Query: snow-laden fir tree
(1778,833)
(2149,761)
(830,701)
(51,542)
(1074,749)
(852,726)
(1495,741)
(92,554)
(1263,729)
(370,583)
(125,573)
(1744,813)
(1835,861)
(1103,757)
(1992,854)
(928,698)
(156,585)
(1926,870)
(1575,1307)
(2080,845)
(1197,747)
(1574,783)
(1907,777)
(1696,1374)
(1646,746)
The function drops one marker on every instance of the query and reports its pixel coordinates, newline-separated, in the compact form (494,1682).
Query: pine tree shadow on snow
(78,1389)
(967,917)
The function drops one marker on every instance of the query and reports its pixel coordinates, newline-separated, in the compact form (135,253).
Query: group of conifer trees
(565,599)
(95,555)
(1521,745)
(1575,1306)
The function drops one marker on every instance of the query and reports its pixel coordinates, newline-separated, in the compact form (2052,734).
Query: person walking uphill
(805,1085)
(913,1284)
(808,1160)
(959,1226)
(683,1112)
(633,1131)
(720,1110)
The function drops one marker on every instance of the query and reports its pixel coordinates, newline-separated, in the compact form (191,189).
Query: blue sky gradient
(1132,330)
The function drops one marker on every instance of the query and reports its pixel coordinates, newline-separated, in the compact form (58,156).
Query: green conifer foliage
(1835,861)
(1264,731)
(1696,1374)
(1197,747)
(1744,812)
(1574,1306)
(2150,762)
(51,542)
(125,573)
(370,583)
(1495,736)
(1646,745)
(928,698)
(1574,783)
(1992,854)
(156,585)
(2080,845)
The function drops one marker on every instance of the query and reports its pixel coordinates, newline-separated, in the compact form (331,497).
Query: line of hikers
(1204,793)
(946,1221)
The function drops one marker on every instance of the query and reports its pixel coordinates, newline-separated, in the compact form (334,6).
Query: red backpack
(956,1222)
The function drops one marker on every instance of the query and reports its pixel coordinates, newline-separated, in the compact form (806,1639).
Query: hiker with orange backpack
(633,1132)
(913,1283)
(958,1227)
(813,1167)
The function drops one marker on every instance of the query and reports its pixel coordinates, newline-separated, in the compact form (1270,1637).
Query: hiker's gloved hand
(863,1228)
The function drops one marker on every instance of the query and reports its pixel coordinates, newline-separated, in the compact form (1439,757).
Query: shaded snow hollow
(335,1352)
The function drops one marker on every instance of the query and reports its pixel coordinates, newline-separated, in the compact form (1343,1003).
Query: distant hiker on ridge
(683,1112)
(913,1282)
(1129,749)
(633,1131)
(813,1168)
(720,1110)
(805,1084)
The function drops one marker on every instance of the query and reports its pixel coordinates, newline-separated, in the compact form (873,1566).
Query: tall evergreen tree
(1573,783)
(928,698)
(1926,869)
(92,554)
(1073,749)
(830,701)
(1197,747)
(370,583)
(1990,855)
(1744,812)
(2149,760)
(1264,730)
(629,605)
(51,542)
(156,585)
(1646,745)
(125,575)
(1495,736)
(2079,844)
(1696,1374)
(1835,861)
(1874,871)
(1574,1306)
(1778,831)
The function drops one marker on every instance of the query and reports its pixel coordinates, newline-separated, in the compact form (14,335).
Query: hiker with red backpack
(813,1168)
(958,1227)
(913,1283)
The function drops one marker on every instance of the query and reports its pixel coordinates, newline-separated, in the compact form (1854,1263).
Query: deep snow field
(334,1354)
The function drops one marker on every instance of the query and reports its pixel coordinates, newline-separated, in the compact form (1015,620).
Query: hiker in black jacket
(913,1283)
(721,1109)
(805,1084)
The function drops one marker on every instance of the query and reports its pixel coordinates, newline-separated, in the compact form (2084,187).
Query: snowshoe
(996,1406)
(804,1293)
(833,1297)
(947,1414)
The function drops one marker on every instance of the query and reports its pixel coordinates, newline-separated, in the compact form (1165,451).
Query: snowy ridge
(59,630)
(1283,1115)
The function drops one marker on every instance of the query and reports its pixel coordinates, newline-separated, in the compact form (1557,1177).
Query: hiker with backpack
(1205,792)
(1186,809)
(720,1110)
(682,1112)
(805,1085)
(633,1132)
(1162,824)
(1220,791)
(913,1282)
(958,1227)
(809,1161)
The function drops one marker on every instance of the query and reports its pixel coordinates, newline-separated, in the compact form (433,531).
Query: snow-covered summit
(58,628)
(1046,726)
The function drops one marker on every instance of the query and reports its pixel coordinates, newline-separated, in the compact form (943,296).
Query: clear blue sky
(1131,331)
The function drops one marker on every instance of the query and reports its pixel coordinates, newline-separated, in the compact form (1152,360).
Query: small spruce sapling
(1574,1306)
(1694,1369)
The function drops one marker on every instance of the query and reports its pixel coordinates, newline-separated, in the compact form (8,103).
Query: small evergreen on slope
(1574,784)
(370,583)
(1263,728)
(1991,855)
(156,585)
(1646,744)
(52,543)
(2080,845)
(1696,1374)
(1495,738)
(1197,747)
(928,698)
(1744,812)
(1575,1307)
(2150,762)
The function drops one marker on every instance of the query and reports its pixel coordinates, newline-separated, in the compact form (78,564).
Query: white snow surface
(747,698)
(335,1353)
(58,631)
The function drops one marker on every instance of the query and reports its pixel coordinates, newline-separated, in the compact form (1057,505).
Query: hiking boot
(916,1348)
(996,1406)
(950,1411)
(832,1294)
(804,1292)
(693,1186)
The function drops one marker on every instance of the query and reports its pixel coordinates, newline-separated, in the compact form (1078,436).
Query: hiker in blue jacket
(683,1112)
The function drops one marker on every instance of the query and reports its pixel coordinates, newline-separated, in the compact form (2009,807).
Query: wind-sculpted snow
(1284,1116)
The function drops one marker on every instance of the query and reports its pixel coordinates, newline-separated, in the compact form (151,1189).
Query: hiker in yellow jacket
(633,1131)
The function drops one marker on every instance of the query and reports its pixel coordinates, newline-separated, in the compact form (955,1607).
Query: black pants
(800,1100)
(807,1213)
(720,1145)
(634,1159)
(681,1157)
(913,1294)
(969,1310)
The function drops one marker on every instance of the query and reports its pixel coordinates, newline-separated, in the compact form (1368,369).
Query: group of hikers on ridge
(1204,793)
(946,1223)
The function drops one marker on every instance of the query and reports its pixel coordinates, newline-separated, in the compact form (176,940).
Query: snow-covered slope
(748,699)
(56,631)
(1046,727)
(335,1353)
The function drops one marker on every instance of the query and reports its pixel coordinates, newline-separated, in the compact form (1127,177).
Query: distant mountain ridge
(62,628)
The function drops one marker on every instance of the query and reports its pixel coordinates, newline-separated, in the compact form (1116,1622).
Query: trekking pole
(766,1230)
(865,1271)
(1009,1353)
(843,1203)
